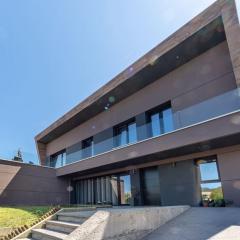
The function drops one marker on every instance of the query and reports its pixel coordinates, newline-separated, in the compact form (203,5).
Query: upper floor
(190,78)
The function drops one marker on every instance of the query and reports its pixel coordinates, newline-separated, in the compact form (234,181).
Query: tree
(18,156)
(216,193)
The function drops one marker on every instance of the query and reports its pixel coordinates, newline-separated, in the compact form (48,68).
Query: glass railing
(203,111)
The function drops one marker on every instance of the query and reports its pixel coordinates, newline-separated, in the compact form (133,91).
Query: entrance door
(151,186)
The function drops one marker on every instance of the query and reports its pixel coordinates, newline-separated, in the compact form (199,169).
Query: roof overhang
(209,28)
(206,38)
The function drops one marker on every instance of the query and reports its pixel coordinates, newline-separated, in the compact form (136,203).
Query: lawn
(19,216)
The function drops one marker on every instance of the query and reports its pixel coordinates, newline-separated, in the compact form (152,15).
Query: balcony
(210,119)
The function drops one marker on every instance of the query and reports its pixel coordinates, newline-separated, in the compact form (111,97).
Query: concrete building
(152,134)
(163,129)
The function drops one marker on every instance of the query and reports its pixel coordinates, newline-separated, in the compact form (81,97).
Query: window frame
(158,110)
(84,147)
(209,159)
(117,132)
(61,152)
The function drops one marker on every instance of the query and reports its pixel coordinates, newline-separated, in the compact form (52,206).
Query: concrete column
(136,199)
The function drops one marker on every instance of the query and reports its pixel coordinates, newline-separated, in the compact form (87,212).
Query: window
(161,121)
(87,147)
(211,186)
(125,133)
(58,159)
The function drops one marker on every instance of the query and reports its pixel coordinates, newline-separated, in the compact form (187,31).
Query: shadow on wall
(25,184)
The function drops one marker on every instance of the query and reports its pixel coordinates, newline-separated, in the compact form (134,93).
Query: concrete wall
(124,224)
(207,75)
(179,184)
(229,168)
(25,184)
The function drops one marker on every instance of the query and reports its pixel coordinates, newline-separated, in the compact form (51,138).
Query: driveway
(201,224)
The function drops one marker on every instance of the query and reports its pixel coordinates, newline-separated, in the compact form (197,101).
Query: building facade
(165,130)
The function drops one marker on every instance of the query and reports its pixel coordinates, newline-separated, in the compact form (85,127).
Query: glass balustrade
(171,121)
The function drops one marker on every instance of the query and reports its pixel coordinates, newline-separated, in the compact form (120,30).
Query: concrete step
(75,217)
(83,214)
(60,226)
(45,234)
(76,220)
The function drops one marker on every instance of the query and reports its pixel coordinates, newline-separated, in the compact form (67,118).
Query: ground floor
(206,178)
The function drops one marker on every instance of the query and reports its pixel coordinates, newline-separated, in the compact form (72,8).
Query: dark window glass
(88,147)
(125,133)
(58,160)
(161,121)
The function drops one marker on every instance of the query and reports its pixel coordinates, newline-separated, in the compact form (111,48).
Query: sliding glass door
(114,190)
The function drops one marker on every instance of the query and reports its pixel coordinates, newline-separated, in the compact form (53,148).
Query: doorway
(124,190)
(211,187)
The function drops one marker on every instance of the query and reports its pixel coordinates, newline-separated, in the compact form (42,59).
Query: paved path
(201,224)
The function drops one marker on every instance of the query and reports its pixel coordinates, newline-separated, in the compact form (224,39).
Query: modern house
(163,129)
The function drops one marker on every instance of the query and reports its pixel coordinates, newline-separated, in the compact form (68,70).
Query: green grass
(19,216)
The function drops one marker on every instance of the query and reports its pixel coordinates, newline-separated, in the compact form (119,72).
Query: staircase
(58,229)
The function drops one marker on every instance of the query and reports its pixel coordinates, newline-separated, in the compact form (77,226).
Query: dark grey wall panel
(24,184)
(179,184)
(136,199)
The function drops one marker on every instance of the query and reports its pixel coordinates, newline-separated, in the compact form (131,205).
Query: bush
(216,194)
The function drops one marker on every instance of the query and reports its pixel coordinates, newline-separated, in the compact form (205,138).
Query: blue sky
(53,54)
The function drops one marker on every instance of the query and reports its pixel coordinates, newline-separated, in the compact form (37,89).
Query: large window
(115,190)
(58,159)
(87,147)
(211,186)
(161,121)
(125,133)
